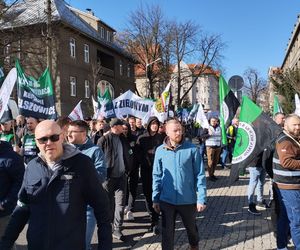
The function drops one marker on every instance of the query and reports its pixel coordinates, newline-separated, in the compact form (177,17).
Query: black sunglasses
(52,138)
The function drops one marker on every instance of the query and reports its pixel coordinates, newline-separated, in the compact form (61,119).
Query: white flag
(201,117)
(6,89)
(96,109)
(297,105)
(76,114)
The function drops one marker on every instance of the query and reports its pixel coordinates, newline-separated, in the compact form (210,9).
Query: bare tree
(255,85)
(183,44)
(143,39)
(97,72)
(208,55)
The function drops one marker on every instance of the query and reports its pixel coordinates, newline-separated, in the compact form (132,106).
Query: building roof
(31,12)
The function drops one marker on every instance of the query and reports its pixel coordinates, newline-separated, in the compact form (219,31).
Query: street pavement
(225,224)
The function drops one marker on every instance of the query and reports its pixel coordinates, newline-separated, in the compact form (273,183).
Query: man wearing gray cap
(118,156)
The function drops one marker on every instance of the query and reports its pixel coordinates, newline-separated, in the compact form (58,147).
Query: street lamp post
(147,65)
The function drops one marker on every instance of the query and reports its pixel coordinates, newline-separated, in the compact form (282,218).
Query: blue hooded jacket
(178,175)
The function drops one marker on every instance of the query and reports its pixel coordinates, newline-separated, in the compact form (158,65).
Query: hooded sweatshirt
(147,144)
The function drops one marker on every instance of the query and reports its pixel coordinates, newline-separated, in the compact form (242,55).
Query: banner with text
(131,104)
(35,97)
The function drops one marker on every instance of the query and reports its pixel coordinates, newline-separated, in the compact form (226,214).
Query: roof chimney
(88,10)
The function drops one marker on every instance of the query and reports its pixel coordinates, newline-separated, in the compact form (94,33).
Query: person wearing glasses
(78,136)
(57,187)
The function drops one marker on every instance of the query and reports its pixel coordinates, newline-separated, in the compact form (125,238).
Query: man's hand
(201,207)
(156,207)
(1,208)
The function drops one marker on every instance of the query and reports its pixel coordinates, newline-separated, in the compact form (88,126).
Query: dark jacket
(55,205)
(147,144)
(106,144)
(11,176)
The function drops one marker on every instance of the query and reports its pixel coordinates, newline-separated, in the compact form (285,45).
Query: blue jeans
(256,181)
(224,155)
(90,227)
(290,201)
(282,222)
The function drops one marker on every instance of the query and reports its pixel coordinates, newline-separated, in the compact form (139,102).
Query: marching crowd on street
(66,179)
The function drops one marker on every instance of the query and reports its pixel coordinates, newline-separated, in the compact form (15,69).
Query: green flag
(256,132)
(35,97)
(276,106)
(228,107)
(106,107)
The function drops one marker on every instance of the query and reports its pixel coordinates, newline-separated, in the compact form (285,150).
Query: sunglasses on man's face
(52,138)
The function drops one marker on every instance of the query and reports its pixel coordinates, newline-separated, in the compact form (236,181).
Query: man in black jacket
(57,187)
(11,176)
(118,155)
(146,146)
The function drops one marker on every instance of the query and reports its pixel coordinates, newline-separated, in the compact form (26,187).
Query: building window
(87,88)
(6,51)
(108,36)
(72,47)
(102,32)
(86,53)
(128,70)
(73,85)
(121,68)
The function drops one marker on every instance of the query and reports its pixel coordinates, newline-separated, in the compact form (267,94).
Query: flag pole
(14,132)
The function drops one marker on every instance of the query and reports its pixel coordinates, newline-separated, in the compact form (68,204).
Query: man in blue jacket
(11,176)
(78,136)
(179,185)
(57,187)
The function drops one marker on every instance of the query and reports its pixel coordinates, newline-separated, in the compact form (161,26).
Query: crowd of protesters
(77,173)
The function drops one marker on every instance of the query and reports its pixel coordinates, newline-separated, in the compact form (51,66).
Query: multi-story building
(292,56)
(84,54)
(206,89)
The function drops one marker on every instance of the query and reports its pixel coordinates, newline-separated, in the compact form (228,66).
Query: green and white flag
(35,97)
(256,132)
(276,105)
(228,107)
(106,106)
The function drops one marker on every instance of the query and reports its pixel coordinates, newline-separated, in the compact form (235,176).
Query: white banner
(131,104)
(6,89)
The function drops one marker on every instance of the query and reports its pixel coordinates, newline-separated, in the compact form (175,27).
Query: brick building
(84,53)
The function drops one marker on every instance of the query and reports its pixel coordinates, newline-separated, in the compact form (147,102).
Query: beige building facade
(206,89)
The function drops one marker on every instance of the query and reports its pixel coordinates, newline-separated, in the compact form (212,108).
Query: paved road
(225,224)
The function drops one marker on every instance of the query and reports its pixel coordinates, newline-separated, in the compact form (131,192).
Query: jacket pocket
(35,188)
